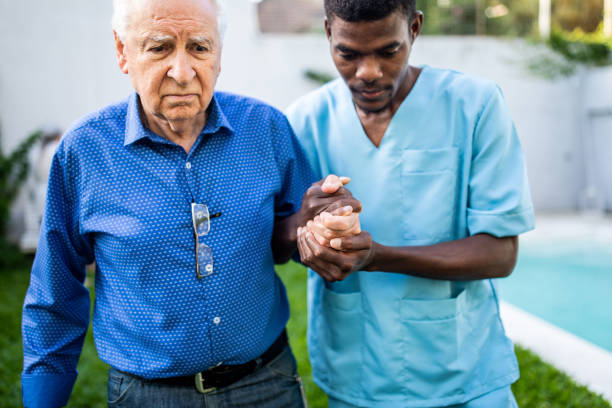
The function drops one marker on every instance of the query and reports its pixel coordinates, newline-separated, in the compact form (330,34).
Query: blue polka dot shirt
(121,195)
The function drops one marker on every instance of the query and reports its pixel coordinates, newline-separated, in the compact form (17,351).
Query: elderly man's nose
(181,70)
(369,70)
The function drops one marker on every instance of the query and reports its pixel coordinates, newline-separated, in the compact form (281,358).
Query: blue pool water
(566,283)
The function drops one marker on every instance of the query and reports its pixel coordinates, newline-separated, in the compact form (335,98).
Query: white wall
(58,63)
(597,133)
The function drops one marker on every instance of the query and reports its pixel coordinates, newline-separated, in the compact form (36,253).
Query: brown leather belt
(223,375)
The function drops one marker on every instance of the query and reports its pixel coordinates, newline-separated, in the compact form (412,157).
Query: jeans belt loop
(199,384)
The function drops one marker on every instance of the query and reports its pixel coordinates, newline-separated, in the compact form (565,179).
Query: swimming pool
(566,279)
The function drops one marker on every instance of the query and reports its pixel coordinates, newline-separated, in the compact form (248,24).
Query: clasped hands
(331,241)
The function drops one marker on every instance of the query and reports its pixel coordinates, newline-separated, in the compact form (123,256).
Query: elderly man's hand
(328,195)
(328,227)
(354,253)
(332,243)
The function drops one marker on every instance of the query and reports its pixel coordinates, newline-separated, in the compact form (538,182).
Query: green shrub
(566,51)
(13,171)
(593,49)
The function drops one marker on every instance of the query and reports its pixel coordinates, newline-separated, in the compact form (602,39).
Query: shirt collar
(135,129)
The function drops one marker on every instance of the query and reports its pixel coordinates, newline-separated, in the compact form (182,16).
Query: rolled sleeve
(499,199)
(502,224)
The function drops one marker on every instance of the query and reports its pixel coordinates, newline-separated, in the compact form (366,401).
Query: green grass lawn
(540,386)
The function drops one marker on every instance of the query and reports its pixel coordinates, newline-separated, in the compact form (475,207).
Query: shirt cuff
(500,224)
(46,390)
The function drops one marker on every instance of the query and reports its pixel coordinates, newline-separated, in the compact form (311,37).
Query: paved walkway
(556,226)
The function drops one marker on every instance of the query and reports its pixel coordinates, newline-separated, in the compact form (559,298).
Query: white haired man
(185,198)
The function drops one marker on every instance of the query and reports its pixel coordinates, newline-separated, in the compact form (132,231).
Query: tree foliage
(585,15)
(507,17)
(458,17)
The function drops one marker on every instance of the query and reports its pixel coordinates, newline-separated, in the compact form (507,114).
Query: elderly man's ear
(121,58)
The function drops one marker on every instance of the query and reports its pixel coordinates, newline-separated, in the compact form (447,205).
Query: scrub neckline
(413,98)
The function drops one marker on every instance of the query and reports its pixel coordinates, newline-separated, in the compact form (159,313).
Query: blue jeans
(275,385)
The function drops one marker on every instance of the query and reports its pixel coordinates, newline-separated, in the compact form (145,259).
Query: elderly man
(184,198)
(406,314)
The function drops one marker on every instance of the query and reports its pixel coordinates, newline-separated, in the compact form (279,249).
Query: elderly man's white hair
(123,8)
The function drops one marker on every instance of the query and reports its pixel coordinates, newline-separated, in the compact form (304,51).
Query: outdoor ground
(540,386)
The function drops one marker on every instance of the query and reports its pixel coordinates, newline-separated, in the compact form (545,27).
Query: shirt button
(188,165)
(217,320)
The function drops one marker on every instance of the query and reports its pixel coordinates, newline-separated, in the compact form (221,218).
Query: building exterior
(297,16)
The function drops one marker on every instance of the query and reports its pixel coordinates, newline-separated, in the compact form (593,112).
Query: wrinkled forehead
(173,17)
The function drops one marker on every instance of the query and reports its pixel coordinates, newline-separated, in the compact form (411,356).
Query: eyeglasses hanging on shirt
(201,226)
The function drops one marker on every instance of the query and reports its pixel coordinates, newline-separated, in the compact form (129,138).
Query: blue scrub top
(449,166)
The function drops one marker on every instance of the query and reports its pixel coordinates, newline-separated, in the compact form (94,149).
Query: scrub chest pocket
(429,194)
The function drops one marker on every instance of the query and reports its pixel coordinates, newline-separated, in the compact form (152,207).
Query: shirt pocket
(429,194)
(340,328)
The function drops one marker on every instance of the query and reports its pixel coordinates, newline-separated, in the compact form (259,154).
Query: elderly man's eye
(200,48)
(157,49)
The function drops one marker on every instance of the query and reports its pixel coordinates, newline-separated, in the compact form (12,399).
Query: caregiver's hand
(354,253)
(327,195)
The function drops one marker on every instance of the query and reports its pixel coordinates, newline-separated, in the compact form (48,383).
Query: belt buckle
(199,383)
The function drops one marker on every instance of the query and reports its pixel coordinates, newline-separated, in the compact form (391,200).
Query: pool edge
(587,363)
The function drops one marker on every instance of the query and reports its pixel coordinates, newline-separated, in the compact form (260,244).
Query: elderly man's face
(172,52)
